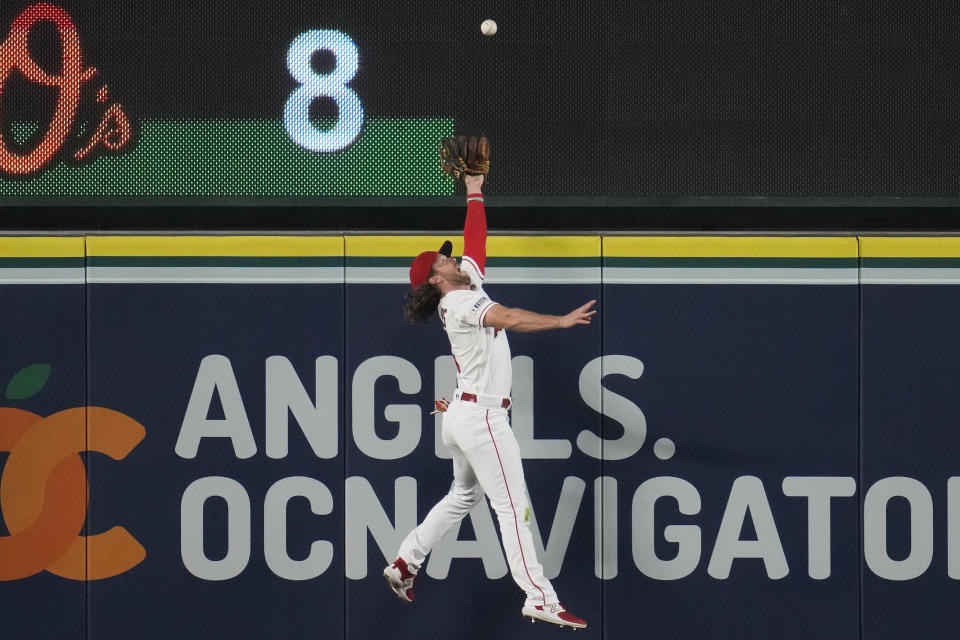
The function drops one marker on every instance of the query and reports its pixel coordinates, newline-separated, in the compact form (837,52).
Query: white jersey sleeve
(469,266)
(469,309)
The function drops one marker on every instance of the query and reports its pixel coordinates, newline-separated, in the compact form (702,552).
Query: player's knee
(465,499)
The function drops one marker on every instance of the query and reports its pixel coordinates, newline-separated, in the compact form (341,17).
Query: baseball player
(476,426)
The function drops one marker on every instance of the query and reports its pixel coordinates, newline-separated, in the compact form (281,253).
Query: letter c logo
(44,492)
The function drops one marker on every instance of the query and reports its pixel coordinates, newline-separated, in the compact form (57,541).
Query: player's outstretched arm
(475,227)
(514,319)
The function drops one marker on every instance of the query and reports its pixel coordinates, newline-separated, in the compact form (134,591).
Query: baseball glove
(460,156)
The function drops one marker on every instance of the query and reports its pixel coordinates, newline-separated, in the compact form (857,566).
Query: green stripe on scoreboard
(391,157)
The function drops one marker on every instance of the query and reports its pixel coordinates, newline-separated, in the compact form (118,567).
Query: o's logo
(43,493)
(113,132)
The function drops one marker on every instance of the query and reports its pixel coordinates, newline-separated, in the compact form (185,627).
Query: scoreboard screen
(607,102)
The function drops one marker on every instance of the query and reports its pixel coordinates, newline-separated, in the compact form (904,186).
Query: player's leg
(498,467)
(464,494)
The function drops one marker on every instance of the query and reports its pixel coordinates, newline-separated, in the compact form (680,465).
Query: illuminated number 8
(333,85)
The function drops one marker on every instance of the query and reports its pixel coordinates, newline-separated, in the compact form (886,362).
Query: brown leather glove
(462,155)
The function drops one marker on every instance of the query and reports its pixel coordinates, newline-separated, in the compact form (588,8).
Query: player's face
(448,269)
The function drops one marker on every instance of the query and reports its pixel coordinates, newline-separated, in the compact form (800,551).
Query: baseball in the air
(488,27)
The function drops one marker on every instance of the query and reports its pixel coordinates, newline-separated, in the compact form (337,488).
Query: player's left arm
(501,317)
(475,228)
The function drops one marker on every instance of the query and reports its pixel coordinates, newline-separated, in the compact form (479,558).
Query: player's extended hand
(580,315)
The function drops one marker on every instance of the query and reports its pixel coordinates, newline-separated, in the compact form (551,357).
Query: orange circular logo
(44,493)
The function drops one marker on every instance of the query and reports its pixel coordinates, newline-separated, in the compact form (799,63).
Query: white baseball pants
(486,459)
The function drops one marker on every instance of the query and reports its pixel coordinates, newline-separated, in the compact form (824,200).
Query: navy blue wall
(753,459)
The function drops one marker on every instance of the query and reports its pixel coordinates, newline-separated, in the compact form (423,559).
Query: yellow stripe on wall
(916,247)
(728,247)
(394,246)
(497,246)
(245,246)
(42,247)
(544,246)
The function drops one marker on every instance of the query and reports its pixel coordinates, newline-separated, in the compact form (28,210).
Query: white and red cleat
(554,614)
(400,579)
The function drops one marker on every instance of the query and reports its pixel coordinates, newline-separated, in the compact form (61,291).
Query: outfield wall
(755,439)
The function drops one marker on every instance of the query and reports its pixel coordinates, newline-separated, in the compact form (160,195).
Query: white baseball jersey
(482,354)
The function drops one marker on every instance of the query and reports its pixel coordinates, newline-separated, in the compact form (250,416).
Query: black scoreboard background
(614,106)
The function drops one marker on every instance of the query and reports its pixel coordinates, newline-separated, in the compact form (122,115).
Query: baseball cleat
(400,579)
(554,614)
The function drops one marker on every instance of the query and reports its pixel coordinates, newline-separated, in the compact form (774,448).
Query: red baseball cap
(420,267)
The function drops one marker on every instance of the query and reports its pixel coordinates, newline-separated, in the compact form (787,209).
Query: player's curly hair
(421,303)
